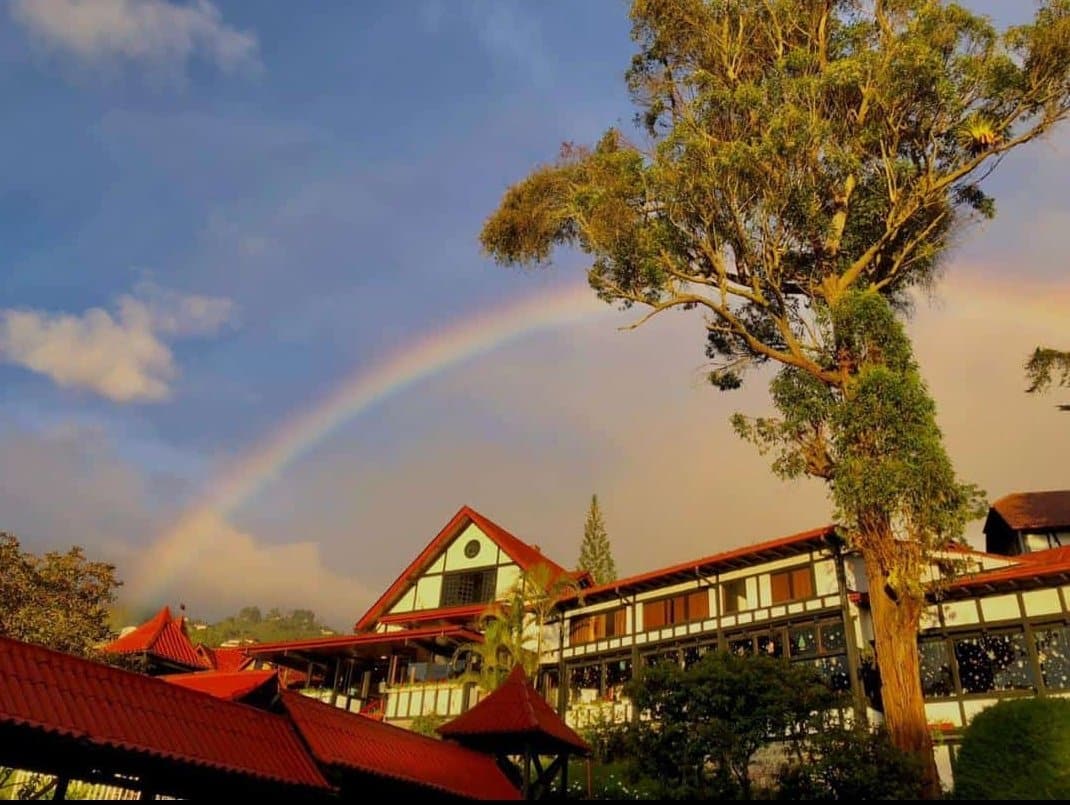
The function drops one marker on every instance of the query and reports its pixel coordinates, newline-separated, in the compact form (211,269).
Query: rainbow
(425,356)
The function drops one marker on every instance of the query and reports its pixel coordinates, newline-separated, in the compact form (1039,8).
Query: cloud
(118,355)
(156,32)
(215,568)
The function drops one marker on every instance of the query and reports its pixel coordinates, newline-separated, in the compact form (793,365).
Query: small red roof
(357,743)
(515,712)
(223,659)
(230,685)
(163,637)
(1028,510)
(526,556)
(61,695)
(1039,567)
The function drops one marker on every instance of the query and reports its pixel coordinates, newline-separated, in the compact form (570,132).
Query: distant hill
(249,625)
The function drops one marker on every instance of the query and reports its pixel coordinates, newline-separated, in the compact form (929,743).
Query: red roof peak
(514,713)
(1026,510)
(525,555)
(161,636)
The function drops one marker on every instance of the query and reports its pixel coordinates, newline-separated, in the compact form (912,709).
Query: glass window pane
(698,606)
(803,641)
(832,638)
(834,671)
(994,662)
(802,583)
(936,677)
(653,615)
(781,584)
(734,595)
(1053,650)
(773,645)
(741,646)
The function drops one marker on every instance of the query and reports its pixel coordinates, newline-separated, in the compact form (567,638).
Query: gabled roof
(223,659)
(48,693)
(511,716)
(1024,511)
(726,560)
(370,641)
(230,685)
(526,556)
(163,637)
(356,743)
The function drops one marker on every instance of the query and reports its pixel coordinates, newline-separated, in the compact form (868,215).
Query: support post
(853,659)
(62,781)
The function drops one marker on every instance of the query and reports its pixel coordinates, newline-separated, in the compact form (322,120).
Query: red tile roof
(731,558)
(356,743)
(230,685)
(519,551)
(513,713)
(1028,510)
(223,659)
(61,695)
(368,640)
(465,613)
(1041,565)
(163,637)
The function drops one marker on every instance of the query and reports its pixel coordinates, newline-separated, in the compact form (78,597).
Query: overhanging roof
(367,645)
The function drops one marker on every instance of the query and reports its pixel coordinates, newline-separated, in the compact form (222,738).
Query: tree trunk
(895,626)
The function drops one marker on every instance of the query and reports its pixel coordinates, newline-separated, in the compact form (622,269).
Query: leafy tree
(707,722)
(595,554)
(849,763)
(513,628)
(1048,367)
(250,625)
(806,164)
(1038,729)
(59,600)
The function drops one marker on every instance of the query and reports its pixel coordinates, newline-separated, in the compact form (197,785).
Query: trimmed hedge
(1016,749)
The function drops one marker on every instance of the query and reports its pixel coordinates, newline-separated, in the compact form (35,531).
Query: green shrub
(850,763)
(1016,750)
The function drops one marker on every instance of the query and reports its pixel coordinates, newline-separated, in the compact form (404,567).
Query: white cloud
(156,32)
(120,356)
(214,567)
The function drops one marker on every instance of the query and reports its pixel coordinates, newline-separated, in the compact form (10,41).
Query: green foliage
(59,600)
(596,555)
(1047,367)
(427,725)
(613,780)
(849,764)
(512,628)
(1016,749)
(707,722)
(249,624)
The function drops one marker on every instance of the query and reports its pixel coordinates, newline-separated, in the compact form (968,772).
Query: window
(473,587)
(936,678)
(803,641)
(792,585)
(471,548)
(994,662)
(734,595)
(678,609)
(587,628)
(1053,650)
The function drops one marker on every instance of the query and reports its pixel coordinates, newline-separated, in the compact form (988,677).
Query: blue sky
(211,213)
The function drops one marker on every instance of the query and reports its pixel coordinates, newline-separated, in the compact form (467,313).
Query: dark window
(471,548)
(734,596)
(803,641)
(994,662)
(1053,650)
(741,646)
(936,678)
(771,645)
(792,585)
(618,672)
(676,610)
(833,670)
(832,638)
(473,587)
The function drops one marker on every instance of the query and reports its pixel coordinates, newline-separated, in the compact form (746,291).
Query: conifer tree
(595,553)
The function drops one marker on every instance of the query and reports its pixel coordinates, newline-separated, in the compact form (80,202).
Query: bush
(850,763)
(1016,750)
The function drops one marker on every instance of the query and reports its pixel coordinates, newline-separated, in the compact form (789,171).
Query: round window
(471,548)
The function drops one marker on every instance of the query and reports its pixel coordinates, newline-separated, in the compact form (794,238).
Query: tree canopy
(250,624)
(596,555)
(800,166)
(59,600)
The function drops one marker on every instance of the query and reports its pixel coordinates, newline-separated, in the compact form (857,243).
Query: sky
(250,350)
